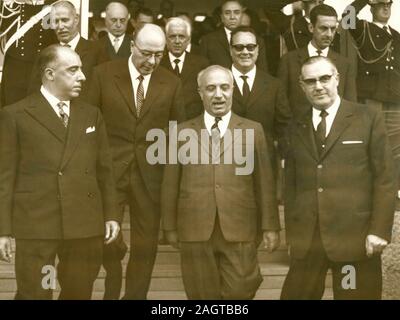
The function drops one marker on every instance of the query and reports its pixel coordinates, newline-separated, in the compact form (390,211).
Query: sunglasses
(241,47)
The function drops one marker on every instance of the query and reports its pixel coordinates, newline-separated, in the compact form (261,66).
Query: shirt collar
(381,25)
(172,57)
(74,42)
(237,74)
(222,125)
(228,34)
(51,99)
(332,110)
(312,51)
(112,37)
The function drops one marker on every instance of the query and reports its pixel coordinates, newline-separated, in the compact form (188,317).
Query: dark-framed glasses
(241,47)
(149,54)
(311,82)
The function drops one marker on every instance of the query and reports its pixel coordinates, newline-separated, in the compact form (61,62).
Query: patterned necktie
(63,116)
(321,131)
(176,69)
(215,140)
(246,88)
(116,44)
(139,95)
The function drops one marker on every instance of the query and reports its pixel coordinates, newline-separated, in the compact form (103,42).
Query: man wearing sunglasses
(215,45)
(323,26)
(257,95)
(135,96)
(340,192)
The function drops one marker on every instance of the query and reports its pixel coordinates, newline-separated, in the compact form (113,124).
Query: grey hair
(178,21)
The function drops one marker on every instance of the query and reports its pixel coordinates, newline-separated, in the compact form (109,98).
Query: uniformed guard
(378,79)
(22,40)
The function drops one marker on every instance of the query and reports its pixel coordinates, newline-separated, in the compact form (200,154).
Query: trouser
(145,226)
(219,269)
(78,267)
(351,280)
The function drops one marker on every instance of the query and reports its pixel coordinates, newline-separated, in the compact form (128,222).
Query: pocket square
(90,129)
(353,142)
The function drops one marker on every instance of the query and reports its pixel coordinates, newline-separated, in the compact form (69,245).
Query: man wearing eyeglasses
(340,192)
(215,45)
(257,95)
(323,26)
(135,96)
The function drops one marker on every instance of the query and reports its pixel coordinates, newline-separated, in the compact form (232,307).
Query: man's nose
(152,59)
(81,76)
(218,92)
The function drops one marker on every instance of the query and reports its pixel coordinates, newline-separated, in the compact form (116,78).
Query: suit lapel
(305,130)
(234,123)
(224,40)
(258,88)
(302,55)
(123,81)
(239,105)
(43,113)
(76,123)
(154,90)
(341,122)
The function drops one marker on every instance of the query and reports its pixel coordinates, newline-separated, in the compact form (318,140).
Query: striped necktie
(62,114)
(140,95)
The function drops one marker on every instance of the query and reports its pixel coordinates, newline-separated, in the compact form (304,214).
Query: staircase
(166,283)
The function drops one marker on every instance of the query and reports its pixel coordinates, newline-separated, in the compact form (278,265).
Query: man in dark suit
(257,95)
(378,79)
(294,28)
(323,28)
(58,193)
(183,64)
(215,45)
(340,192)
(137,95)
(117,43)
(209,209)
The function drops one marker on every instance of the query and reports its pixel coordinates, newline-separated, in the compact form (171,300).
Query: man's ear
(311,27)
(48,74)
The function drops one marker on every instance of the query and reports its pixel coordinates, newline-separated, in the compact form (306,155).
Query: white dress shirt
(112,40)
(312,51)
(228,34)
(209,121)
(53,101)
(332,111)
(73,43)
(181,62)
(251,75)
(134,78)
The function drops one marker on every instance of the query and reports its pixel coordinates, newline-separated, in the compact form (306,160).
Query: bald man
(135,96)
(117,43)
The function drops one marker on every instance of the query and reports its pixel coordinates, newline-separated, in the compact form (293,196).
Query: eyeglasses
(240,47)
(149,54)
(313,82)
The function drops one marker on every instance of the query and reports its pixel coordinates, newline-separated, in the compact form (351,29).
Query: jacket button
(90,195)
(60,173)
(320,166)
(217,186)
(320,190)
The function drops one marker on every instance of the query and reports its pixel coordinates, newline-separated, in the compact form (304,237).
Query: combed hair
(47,56)
(243,29)
(178,21)
(67,4)
(238,1)
(210,68)
(315,59)
(143,10)
(322,10)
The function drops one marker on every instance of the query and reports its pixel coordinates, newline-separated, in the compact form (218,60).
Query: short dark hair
(322,10)
(47,56)
(143,10)
(315,59)
(238,1)
(243,29)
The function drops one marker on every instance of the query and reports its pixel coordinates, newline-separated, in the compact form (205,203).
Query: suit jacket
(111,90)
(293,28)
(107,52)
(57,183)
(192,65)
(378,71)
(267,105)
(194,195)
(290,70)
(215,47)
(349,190)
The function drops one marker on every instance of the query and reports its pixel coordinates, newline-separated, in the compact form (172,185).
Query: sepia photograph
(185,150)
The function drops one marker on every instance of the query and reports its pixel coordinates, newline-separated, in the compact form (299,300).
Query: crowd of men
(76,123)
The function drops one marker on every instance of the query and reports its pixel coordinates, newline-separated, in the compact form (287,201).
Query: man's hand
(374,245)
(172,238)
(271,240)
(5,249)
(112,230)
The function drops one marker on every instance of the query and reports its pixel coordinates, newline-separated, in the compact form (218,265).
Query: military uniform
(294,28)
(20,57)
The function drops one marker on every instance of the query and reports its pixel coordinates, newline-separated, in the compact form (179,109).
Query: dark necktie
(215,140)
(321,131)
(139,96)
(246,88)
(386,29)
(62,114)
(66,45)
(176,69)
(319,52)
